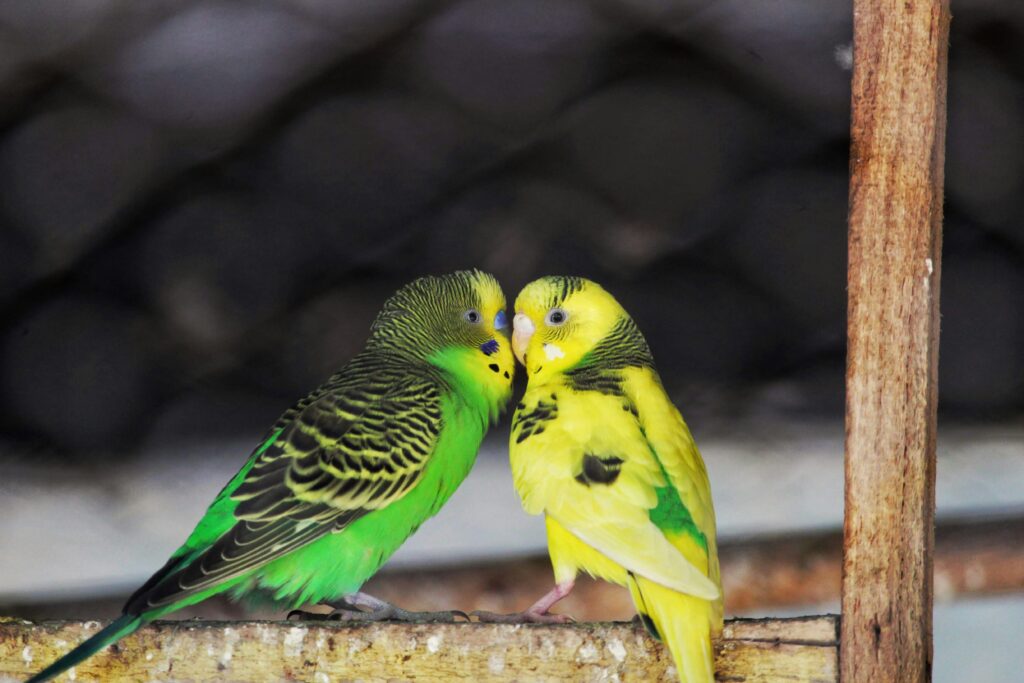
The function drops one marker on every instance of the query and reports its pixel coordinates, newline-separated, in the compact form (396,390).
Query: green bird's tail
(118,629)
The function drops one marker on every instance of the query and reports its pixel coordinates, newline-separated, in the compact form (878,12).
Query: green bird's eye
(556,316)
(472,316)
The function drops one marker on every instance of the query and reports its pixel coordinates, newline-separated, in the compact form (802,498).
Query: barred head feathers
(572,325)
(436,311)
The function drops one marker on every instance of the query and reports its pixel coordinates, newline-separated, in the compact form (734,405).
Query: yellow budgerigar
(598,448)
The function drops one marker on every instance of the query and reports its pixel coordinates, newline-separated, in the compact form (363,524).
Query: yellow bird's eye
(556,317)
(472,316)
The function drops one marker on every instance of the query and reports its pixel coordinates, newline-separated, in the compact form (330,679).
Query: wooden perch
(802,649)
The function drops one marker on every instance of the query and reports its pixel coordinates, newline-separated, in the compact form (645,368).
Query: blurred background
(203,204)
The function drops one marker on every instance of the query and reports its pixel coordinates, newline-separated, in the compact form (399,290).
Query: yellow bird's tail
(684,623)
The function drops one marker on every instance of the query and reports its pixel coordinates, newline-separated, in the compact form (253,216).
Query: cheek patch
(552,351)
(489,347)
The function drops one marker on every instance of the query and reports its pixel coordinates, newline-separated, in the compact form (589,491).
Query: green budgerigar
(347,474)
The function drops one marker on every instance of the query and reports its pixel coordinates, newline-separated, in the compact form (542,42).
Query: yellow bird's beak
(522,331)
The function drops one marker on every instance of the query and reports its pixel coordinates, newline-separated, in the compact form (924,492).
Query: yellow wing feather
(682,623)
(606,530)
(669,436)
(615,519)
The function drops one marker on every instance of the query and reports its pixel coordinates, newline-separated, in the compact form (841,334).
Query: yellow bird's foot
(526,616)
(538,612)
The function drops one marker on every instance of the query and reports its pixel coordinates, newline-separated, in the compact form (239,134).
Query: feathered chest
(481,379)
(564,437)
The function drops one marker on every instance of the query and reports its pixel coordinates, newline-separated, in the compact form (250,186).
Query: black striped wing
(357,444)
(348,450)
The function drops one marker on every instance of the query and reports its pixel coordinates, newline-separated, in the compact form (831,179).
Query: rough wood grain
(896,180)
(803,649)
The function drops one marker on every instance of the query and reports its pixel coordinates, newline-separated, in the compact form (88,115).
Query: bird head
(558,321)
(457,321)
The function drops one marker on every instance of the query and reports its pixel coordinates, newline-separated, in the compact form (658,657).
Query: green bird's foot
(363,607)
(537,613)
(302,615)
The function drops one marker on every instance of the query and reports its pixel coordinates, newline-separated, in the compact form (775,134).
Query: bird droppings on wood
(617,649)
(293,641)
(230,638)
(496,663)
(587,653)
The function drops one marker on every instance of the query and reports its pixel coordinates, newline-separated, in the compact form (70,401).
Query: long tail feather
(684,623)
(118,629)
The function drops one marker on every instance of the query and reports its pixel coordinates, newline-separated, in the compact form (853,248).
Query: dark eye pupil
(472,316)
(557,317)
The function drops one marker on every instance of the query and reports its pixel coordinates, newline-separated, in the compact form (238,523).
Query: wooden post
(896,179)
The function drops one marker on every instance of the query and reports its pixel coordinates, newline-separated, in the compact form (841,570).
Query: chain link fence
(203,203)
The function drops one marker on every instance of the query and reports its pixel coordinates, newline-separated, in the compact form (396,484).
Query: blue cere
(489,347)
(500,321)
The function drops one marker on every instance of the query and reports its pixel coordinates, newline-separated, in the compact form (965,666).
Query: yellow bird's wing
(643,549)
(685,513)
(602,481)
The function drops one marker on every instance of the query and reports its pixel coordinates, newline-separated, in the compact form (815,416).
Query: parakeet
(598,447)
(347,474)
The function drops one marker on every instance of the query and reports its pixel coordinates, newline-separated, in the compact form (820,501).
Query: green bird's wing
(357,444)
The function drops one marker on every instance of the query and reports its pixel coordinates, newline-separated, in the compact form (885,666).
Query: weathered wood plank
(803,649)
(896,180)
